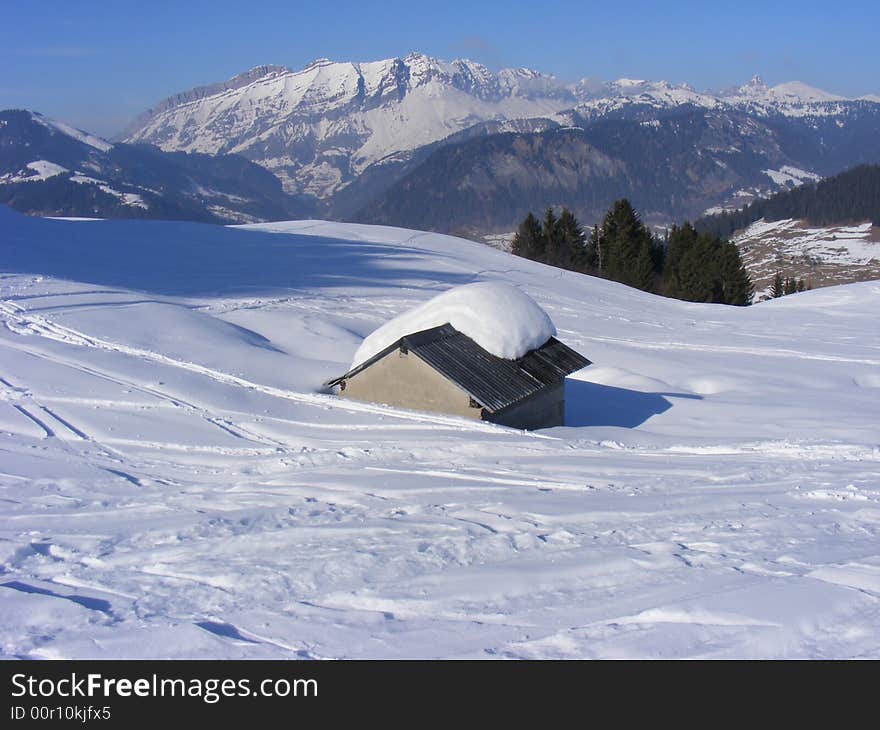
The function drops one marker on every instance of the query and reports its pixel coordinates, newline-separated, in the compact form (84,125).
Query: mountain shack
(440,368)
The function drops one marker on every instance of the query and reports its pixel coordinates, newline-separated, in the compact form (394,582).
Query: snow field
(174,483)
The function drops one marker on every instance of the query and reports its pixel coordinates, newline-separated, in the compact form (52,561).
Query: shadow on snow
(591,404)
(198,259)
(93,604)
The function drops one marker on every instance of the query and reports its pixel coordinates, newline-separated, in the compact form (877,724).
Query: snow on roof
(499,317)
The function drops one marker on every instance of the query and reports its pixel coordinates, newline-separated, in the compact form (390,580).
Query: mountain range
(50,168)
(455,147)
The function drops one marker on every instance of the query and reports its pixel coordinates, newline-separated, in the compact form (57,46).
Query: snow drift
(499,317)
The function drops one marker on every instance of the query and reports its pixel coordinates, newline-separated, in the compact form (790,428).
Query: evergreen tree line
(788,285)
(687,264)
(850,197)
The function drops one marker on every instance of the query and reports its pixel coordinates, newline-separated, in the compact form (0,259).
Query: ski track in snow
(716,493)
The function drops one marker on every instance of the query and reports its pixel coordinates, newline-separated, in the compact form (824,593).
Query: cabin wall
(544,409)
(406,381)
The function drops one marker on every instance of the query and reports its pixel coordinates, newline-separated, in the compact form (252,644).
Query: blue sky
(98,64)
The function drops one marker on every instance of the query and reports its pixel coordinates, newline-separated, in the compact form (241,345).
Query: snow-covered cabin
(485,351)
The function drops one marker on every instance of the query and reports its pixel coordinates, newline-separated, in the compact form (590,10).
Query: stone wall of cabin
(406,381)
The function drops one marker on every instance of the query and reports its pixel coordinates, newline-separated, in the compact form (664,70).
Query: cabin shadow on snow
(592,404)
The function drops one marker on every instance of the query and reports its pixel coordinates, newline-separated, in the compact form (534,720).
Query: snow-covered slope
(820,256)
(174,484)
(33,172)
(65,129)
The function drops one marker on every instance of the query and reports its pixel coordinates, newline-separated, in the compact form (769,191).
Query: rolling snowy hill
(175,483)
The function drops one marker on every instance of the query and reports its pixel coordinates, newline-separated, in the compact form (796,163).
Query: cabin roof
(492,381)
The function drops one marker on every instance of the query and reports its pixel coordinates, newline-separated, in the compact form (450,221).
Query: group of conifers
(684,264)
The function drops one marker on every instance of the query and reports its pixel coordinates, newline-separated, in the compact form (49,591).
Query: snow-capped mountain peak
(784,96)
(319,127)
(797,91)
(597,99)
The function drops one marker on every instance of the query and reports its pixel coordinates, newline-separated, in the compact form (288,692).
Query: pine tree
(688,265)
(703,268)
(699,277)
(528,239)
(572,242)
(736,282)
(677,242)
(688,271)
(658,254)
(626,250)
(551,253)
(776,288)
(789,286)
(642,275)
(594,251)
